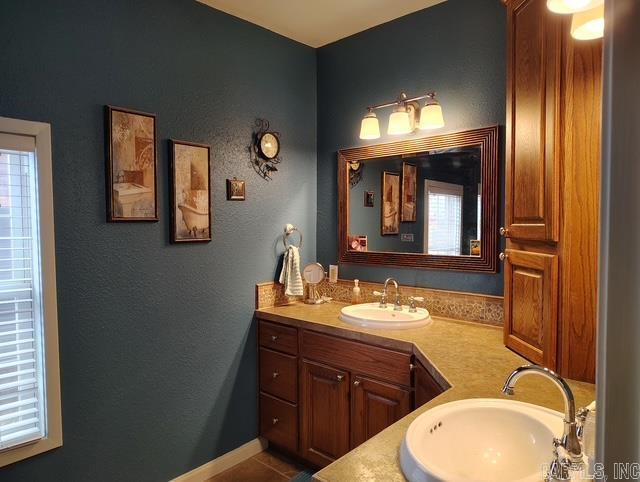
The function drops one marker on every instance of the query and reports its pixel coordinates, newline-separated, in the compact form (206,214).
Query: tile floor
(267,466)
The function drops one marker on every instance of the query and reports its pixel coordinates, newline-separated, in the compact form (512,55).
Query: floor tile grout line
(272,468)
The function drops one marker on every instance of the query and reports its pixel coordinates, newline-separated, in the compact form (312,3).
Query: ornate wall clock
(265,149)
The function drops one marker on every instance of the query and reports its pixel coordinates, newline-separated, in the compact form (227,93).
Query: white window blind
(22,412)
(444,218)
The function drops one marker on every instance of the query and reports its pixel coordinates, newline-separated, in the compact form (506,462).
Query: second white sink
(370,315)
(480,440)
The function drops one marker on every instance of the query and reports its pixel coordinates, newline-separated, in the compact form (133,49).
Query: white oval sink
(370,315)
(480,440)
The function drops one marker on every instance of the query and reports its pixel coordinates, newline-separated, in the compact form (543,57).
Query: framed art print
(236,190)
(190,202)
(131,165)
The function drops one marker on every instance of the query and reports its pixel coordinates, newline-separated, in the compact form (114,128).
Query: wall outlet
(406,237)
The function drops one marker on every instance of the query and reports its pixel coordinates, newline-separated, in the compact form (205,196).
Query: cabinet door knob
(275,374)
(274,337)
(412,366)
(340,377)
(356,382)
(503,256)
(275,420)
(504,232)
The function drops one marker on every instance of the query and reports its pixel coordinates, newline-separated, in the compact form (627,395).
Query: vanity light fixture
(588,25)
(587,22)
(406,116)
(572,6)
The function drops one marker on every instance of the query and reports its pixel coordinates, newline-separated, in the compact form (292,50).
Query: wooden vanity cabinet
(554,86)
(323,395)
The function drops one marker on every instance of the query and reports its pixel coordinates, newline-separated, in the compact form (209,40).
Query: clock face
(269,145)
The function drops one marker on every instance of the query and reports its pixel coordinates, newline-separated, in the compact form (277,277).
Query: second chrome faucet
(568,449)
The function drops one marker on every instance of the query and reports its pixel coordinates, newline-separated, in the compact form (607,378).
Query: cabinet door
(374,406)
(533,133)
(325,413)
(531,305)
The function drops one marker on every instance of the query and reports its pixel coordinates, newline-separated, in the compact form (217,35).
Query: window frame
(41,132)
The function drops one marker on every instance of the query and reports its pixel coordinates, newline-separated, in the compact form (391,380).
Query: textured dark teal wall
(456,48)
(157,341)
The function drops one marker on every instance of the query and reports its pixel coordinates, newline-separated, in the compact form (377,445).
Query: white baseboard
(224,462)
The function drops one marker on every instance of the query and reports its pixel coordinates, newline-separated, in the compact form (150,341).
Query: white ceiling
(319,22)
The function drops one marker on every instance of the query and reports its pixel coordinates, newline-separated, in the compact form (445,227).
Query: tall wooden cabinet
(552,190)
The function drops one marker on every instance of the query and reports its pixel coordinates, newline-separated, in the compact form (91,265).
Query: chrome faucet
(397,306)
(569,442)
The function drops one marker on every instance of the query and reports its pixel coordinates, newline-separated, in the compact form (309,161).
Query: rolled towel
(290,275)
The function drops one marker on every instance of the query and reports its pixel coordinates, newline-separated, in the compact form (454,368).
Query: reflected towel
(290,275)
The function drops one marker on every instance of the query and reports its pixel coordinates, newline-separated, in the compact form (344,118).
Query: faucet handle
(383,298)
(412,304)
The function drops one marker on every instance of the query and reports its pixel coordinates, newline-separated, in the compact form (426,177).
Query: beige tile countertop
(469,357)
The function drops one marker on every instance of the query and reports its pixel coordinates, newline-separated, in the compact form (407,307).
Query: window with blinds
(22,390)
(444,218)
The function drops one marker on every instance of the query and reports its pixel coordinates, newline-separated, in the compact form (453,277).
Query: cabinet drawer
(357,357)
(279,422)
(278,337)
(279,374)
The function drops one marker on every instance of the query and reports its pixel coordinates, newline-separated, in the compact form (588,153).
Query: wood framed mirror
(429,203)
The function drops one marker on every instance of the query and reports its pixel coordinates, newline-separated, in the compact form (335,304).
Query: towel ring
(288,230)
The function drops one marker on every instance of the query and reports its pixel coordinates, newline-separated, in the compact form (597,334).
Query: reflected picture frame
(390,204)
(369,197)
(409,192)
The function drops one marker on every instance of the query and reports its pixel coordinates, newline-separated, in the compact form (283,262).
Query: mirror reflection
(427,202)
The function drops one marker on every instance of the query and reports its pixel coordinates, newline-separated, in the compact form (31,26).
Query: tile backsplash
(449,304)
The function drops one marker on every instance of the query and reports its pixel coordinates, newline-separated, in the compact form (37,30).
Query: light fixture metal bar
(403,98)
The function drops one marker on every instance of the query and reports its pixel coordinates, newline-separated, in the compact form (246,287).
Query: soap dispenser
(355,297)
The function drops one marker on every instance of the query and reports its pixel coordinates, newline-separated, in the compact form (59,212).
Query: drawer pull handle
(503,256)
(275,420)
(412,366)
(356,382)
(340,377)
(276,374)
(274,337)
(504,232)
